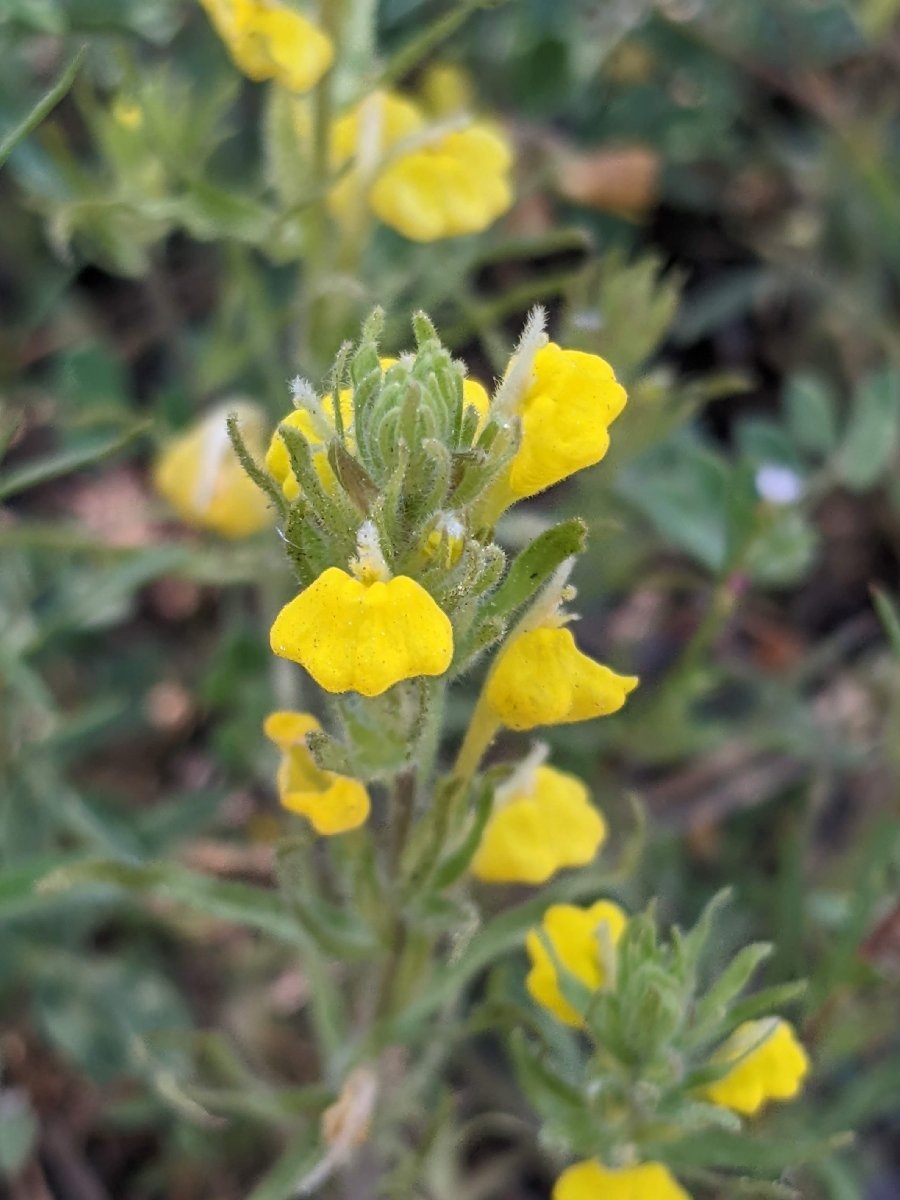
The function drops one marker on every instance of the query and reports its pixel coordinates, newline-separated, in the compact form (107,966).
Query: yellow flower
(442,186)
(372,128)
(542,678)
(591,1181)
(199,474)
(278,462)
(127,113)
(269,40)
(576,934)
(769,1064)
(355,636)
(332,803)
(546,824)
(570,402)
(446,90)
(456,184)
(475,396)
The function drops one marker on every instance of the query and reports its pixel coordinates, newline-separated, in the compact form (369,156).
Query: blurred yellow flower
(446,90)
(443,184)
(576,935)
(199,475)
(332,803)
(571,400)
(591,1181)
(545,824)
(269,40)
(364,636)
(127,112)
(456,184)
(542,678)
(769,1064)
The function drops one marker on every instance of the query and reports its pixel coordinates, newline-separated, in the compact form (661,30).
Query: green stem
(319,251)
(481,732)
(260,324)
(402,811)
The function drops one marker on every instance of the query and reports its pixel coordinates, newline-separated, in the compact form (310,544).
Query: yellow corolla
(565,411)
(200,476)
(769,1064)
(270,40)
(446,90)
(375,126)
(475,396)
(576,935)
(542,678)
(454,185)
(546,824)
(278,461)
(332,803)
(442,185)
(591,1181)
(355,636)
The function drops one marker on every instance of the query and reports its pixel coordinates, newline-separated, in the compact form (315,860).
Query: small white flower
(778,484)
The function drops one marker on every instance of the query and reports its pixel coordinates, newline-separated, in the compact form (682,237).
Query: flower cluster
(593,969)
(404,588)
(387,486)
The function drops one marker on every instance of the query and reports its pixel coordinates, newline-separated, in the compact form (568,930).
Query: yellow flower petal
(542,678)
(332,803)
(566,411)
(364,637)
(200,476)
(539,832)
(289,729)
(446,90)
(475,396)
(456,185)
(591,1181)
(278,461)
(772,1065)
(373,127)
(268,40)
(575,935)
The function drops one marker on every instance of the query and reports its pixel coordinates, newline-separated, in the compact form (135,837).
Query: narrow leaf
(44,106)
